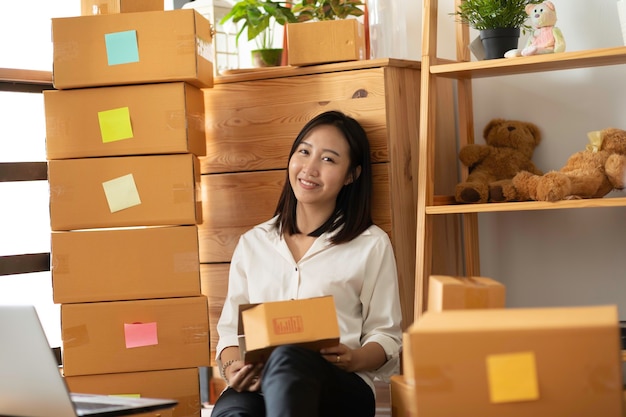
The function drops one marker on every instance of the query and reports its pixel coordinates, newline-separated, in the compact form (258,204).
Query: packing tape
(75,336)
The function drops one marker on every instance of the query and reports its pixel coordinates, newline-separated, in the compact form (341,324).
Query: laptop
(31,384)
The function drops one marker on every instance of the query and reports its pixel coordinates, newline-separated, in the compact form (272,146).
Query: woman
(322,241)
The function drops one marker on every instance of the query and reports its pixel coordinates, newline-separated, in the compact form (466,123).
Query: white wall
(553,258)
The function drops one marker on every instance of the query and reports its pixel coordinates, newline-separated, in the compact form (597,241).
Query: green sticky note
(121,193)
(115,125)
(121,47)
(512,377)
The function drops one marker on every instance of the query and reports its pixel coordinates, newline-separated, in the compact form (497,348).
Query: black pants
(298,382)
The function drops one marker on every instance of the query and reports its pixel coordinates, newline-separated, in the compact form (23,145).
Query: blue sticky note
(122,47)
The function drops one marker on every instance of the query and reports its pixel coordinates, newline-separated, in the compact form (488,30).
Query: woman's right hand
(244,377)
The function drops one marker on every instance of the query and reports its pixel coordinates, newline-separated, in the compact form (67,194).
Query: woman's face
(318,169)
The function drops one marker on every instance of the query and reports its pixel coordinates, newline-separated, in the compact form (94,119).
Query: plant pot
(498,41)
(266,57)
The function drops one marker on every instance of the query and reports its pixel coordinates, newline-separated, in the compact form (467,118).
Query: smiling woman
(321,242)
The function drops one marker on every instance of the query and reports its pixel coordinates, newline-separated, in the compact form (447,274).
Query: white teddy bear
(545,38)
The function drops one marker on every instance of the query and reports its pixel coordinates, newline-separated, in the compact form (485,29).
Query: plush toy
(508,150)
(592,173)
(545,37)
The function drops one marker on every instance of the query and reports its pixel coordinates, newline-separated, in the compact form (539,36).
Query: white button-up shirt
(361,275)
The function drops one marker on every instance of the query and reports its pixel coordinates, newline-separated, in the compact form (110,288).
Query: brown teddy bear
(592,173)
(508,150)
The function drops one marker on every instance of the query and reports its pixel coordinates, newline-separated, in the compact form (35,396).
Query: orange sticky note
(115,125)
(512,377)
(140,334)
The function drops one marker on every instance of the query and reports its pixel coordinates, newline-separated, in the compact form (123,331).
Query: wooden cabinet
(433,203)
(252,120)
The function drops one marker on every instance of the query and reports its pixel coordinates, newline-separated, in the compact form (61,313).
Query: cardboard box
(132,48)
(131,336)
(406,362)
(518,362)
(162,118)
(325,41)
(125,264)
(95,7)
(403,400)
(182,385)
(451,293)
(124,191)
(310,322)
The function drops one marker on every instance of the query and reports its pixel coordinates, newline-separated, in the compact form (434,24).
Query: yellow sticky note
(115,125)
(512,377)
(121,193)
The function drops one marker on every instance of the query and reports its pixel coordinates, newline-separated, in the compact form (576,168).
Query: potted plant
(325,32)
(260,18)
(327,9)
(499,23)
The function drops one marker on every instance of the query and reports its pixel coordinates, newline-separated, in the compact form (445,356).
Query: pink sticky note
(140,334)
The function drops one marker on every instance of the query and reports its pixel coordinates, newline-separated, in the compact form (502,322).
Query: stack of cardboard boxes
(124,131)
(468,355)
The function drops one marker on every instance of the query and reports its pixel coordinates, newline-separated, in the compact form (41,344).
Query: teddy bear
(509,147)
(592,173)
(545,37)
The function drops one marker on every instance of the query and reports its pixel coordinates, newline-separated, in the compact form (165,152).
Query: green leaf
(258,17)
(491,14)
(327,9)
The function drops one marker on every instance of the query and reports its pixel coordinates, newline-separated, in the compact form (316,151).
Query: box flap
(517,319)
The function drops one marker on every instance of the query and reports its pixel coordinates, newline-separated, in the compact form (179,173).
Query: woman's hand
(242,377)
(368,357)
(340,356)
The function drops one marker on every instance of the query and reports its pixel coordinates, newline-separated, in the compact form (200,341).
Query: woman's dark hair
(353,211)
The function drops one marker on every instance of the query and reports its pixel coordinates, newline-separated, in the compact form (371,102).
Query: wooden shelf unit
(429,205)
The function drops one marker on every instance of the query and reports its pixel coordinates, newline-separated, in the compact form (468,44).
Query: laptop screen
(31,384)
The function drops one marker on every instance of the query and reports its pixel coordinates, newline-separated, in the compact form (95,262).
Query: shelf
(530,64)
(24,81)
(526,206)
(22,76)
(250,74)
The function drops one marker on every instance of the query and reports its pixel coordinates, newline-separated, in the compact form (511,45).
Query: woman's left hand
(244,377)
(340,356)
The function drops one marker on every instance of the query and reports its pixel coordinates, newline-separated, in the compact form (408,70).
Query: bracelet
(225,366)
